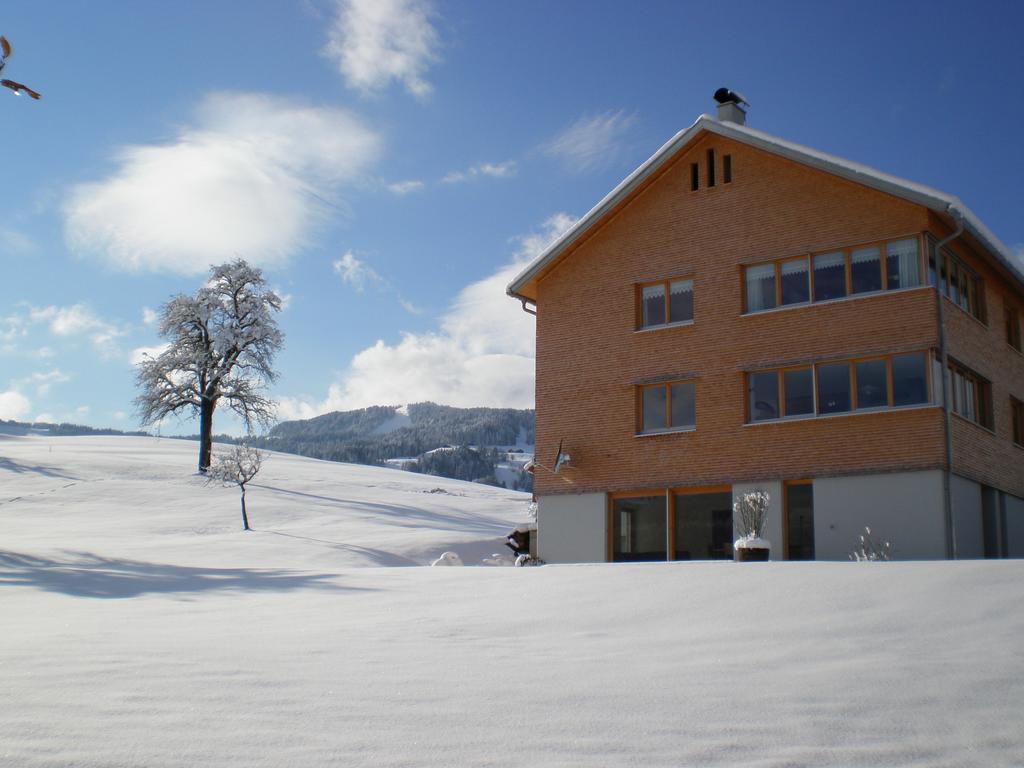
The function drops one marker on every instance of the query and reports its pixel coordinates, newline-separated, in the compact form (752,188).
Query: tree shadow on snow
(405,516)
(84,574)
(12,466)
(378,556)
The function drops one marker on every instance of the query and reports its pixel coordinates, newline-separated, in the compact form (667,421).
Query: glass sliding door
(639,529)
(703,526)
(799,521)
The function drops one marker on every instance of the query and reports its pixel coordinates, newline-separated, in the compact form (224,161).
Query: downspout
(947,493)
(526,308)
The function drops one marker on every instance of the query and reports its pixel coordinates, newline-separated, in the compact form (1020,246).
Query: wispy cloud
(402,188)
(355,272)
(79,320)
(16,242)
(592,141)
(249,177)
(149,316)
(145,353)
(482,352)
(493,170)
(375,42)
(42,382)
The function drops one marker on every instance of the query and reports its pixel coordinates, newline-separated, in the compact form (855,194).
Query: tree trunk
(205,433)
(245,517)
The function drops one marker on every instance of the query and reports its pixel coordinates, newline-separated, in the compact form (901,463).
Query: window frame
(666,286)
(1011,321)
(668,428)
(847,251)
(951,274)
(981,399)
(851,364)
(1017,421)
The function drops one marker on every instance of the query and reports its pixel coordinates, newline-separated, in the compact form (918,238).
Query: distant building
(743,312)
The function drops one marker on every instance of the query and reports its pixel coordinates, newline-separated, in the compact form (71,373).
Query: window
(703,526)
(829,276)
(957,282)
(763,392)
(1012,318)
(833,388)
(892,381)
(694,177)
(798,385)
(909,379)
(865,270)
(666,407)
(639,528)
(668,301)
(971,395)
(799,497)
(902,264)
(711,167)
(1017,414)
(837,274)
(794,282)
(760,287)
(726,169)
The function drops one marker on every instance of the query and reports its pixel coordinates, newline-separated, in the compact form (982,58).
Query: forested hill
(373,435)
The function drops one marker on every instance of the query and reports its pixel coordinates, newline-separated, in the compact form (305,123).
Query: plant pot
(752,555)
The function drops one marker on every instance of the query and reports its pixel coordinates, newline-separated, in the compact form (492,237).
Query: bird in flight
(5,53)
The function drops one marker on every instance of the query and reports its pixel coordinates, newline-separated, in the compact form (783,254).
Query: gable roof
(933,199)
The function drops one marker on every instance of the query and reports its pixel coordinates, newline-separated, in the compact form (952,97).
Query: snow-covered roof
(933,199)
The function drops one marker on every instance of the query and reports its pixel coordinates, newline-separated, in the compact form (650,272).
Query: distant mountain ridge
(63,429)
(479,439)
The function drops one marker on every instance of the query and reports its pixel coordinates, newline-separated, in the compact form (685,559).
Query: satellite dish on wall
(561,458)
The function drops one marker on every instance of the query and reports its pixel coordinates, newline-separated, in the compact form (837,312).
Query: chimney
(729,106)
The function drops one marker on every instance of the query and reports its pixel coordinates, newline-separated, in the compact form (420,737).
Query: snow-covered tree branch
(222,346)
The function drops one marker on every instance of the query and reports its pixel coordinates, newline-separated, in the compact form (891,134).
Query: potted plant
(751,512)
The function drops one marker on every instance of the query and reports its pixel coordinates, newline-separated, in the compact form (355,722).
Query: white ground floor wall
(904,508)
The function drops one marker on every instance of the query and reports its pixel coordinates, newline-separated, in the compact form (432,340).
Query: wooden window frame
(667,385)
(950,270)
(666,294)
(1011,318)
(1017,421)
(847,251)
(670,512)
(786,485)
(982,397)
(851,364)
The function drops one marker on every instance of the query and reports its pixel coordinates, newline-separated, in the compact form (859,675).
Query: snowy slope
(139,497)
(141,628)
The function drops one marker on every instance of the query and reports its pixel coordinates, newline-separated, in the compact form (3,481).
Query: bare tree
(237,467)
(221,345)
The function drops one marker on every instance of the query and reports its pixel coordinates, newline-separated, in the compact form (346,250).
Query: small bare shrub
(751,509)
(237,467)
(871,549)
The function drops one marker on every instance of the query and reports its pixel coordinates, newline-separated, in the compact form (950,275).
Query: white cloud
(141,353)
(76,320)
(355,272)
(13,405)
(46,418)
(409,307)
(375,42)
(119,415)
(402,188)
(494,170)
(44,353)
(481,354)
(249,178)
(592,141)
(149,316)
(286,298)
(44,381)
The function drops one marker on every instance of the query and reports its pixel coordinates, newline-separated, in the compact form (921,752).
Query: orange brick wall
(988,456)
(589,355)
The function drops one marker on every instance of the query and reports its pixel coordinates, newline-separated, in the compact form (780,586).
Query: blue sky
(389,163)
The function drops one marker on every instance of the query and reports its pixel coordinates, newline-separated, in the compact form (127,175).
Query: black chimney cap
(725,96)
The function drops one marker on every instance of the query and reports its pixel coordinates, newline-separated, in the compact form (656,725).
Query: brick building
(743,312)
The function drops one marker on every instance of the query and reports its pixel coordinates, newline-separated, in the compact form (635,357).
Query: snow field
(158,639)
